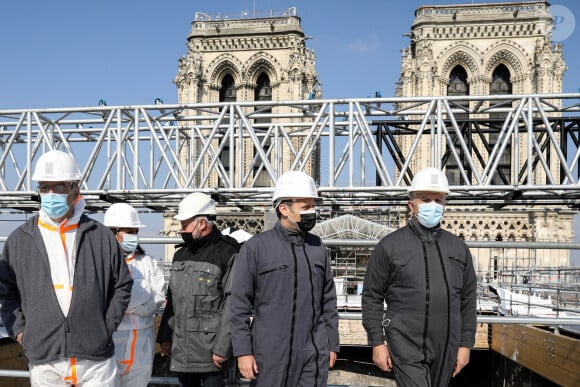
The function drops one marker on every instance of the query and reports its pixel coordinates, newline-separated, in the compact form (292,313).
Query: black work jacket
(427,280)
(196,317)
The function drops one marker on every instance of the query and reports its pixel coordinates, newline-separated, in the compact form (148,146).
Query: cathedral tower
(245,59)
(489,49)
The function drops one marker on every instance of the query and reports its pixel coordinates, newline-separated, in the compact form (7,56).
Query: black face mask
(187,238)
(307,221)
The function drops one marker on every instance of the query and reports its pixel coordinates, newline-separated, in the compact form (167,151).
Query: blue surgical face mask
(130,242)
(430,214)
(55,205)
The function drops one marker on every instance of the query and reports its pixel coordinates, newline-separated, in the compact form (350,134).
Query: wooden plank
(10,351)
(482,336)
(352,333)
(554,356)
(12,358)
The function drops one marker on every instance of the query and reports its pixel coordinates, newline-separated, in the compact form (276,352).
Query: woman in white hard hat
(425,275)
(134,338)
(284,274)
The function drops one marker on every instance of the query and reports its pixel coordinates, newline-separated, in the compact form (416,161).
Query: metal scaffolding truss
(152,155)
(350,227)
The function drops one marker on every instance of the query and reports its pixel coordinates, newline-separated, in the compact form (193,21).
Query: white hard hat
(195,204)
(429,180)
(294,184)
(122,215)
(56,165)
(239,235)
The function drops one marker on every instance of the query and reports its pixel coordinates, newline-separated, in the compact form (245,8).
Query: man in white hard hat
(64,284)
(284,274)
(426,277)
(135,337)
(194,329)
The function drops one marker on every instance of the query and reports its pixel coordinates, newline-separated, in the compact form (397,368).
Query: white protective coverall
(135,337)
(59,240)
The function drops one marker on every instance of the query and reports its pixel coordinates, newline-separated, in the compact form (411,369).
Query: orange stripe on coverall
(73,368)
(129,362)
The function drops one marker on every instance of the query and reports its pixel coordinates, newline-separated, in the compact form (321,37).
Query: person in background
(195,329)
(426,277)
(284,275)
(135,337)
(64,285)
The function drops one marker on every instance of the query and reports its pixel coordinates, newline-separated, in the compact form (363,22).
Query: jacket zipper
(427,299)
(448,306)
(294,297)
(313,317)
(274,269)
(66,336)
(457,260)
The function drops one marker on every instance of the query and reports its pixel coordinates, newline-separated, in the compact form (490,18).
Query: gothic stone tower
(487,49)
(248,59)
(239,59)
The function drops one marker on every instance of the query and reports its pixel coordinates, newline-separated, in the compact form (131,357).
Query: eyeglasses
(59,188)
(133,231)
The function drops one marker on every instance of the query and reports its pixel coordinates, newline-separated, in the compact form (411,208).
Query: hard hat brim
(434,190)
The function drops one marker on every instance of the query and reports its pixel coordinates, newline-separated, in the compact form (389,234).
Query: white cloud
(364,45)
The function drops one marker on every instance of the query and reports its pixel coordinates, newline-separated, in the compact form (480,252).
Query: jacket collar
(296,237)
(203,241)
(428,235)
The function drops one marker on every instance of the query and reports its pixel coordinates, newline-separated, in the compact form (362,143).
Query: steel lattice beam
(150,156)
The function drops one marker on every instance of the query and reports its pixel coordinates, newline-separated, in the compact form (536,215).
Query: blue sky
(67,53)
(64,53)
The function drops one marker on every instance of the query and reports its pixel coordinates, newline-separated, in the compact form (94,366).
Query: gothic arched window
(458,86)
(500,85)
(263,92)
(228,89)
(227,94)
(500,81)
(458,82)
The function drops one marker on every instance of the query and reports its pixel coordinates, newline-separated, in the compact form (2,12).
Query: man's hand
(19,338)
(462,360)
(248,366)
(165,348)
(332,359)
(218,360)
(382,358)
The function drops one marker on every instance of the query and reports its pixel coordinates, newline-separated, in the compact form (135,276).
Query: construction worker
(64,284)
(284,274)
(135,337)
(195,329)
(426,277)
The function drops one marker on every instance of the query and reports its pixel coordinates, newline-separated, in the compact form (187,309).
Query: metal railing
(557,323)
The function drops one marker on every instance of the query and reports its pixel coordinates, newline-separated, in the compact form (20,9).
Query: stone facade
(257,59)
(247,59)
(480,37)
(486,49)
(244,49)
